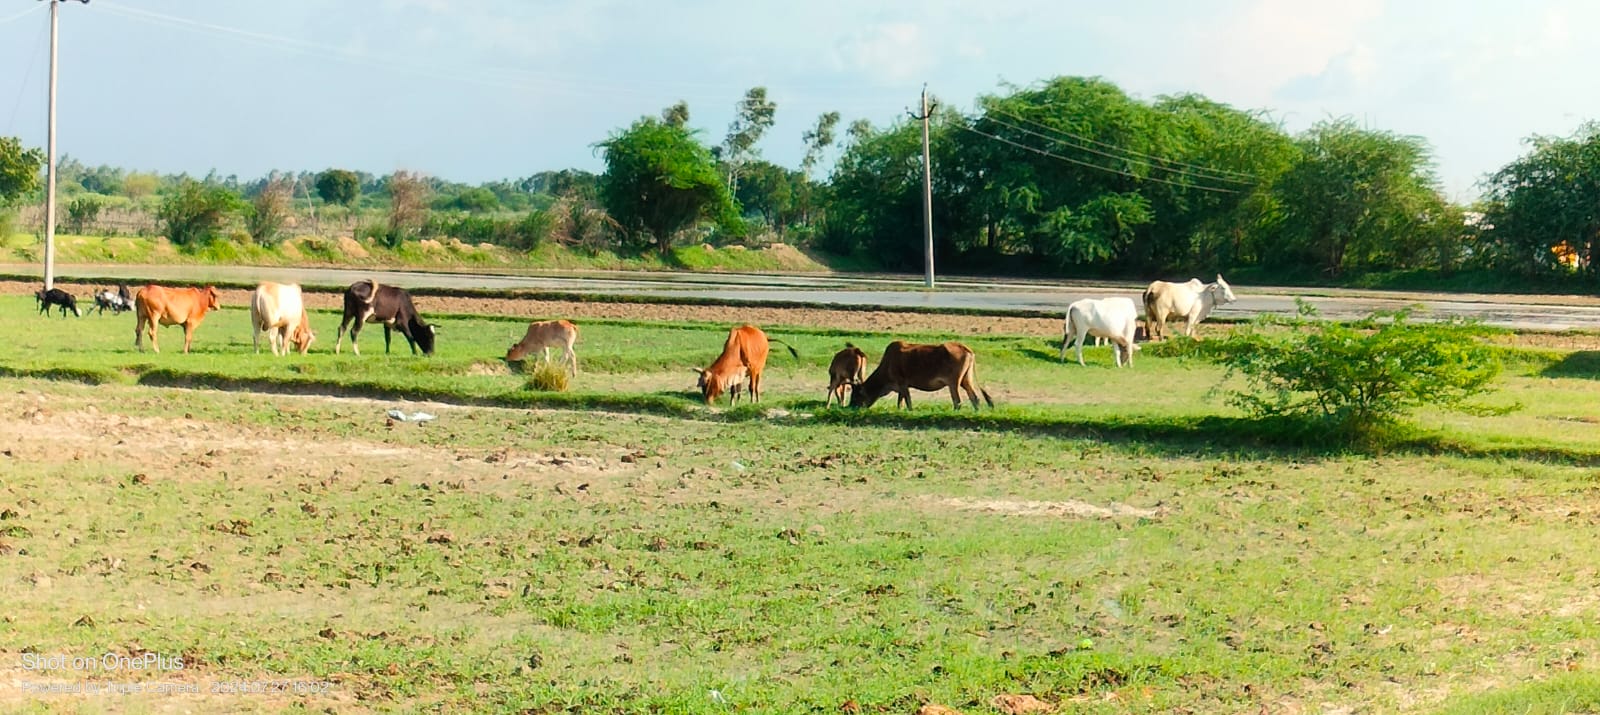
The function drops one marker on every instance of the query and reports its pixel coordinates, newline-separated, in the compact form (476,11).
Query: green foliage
(755,115)
(475,200)
(268,212)
(19,169)
(408,207)
(339,186)
(1358,199)
(1358,378)
(83,210)
(1542,207)
(194,212)
(659,181)
(524,232)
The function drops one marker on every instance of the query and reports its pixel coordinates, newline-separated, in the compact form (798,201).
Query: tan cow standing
(848,369)
(1192,301)
(279,311)
(546,335)
(171,306)
(743,358)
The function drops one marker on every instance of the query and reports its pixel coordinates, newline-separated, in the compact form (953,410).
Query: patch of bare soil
(1069,509)
(41,428)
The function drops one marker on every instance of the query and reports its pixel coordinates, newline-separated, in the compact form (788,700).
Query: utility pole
(50,170)
(927,191)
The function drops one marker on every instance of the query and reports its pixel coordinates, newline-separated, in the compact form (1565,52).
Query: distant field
(1110,541)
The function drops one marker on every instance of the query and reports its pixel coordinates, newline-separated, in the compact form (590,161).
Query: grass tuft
(547,377)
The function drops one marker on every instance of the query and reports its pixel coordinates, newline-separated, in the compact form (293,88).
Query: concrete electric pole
(50,170)
(927,191)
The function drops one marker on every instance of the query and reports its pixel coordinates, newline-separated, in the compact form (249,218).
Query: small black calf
(56,296)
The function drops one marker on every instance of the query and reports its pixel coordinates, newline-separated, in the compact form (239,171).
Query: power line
(1114,147)
(1147,162)
(20,15)
(1070,160)
(27,77)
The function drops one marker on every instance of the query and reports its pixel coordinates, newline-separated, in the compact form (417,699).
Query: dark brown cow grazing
(368,302)
(743,358)
(925,367)
(848,369)
(158,306)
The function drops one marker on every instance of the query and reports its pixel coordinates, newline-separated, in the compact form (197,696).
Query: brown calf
(546,335)
(171,306)
(848,369)
(925,367)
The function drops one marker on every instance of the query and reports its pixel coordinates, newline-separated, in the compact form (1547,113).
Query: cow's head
(303,337)
(424,335)
(1224,292)
(517,351)
(211,297)
(708,385)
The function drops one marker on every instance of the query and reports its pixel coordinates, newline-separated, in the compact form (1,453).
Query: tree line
(1067,177)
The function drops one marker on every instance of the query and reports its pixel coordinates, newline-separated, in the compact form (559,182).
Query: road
(1512,311)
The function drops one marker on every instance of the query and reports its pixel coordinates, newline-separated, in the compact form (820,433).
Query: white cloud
(889,52)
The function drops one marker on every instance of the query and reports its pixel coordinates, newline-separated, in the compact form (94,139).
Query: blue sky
(473,91)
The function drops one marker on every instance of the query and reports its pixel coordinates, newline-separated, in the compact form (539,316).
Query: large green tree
(1357,199)
(754,117)
(660,180)
(1546,205)
(19,169)
(339,186)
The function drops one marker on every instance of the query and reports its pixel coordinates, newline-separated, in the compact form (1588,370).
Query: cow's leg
(1082,337)
(572,358)
(387,334)
(547,354)
(355,329)
(905,397)
(188,336)
(755,385)
(138,333)
(955,395)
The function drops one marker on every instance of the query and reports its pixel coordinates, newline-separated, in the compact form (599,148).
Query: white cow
(1115,319)
(1193,301)
(280,311)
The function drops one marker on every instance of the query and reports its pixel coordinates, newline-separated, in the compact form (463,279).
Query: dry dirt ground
(854,320)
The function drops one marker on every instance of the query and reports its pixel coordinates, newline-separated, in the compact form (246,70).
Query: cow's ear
(698,370)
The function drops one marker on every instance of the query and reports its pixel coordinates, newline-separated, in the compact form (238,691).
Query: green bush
(1358,378)
(195,212)
(83,211)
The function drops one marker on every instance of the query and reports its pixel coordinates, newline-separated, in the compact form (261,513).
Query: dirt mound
(352,248)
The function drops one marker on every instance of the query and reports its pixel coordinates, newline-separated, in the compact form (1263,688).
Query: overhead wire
(20,15)
(1114,147)
(1092,165)
(27,77)
(1152,163)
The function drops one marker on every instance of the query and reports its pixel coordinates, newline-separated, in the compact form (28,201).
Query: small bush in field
(547,377)
(1359,378)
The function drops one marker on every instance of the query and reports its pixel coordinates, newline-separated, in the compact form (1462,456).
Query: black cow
(368,302)
(56,296)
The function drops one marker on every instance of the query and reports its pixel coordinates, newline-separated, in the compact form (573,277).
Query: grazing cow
(924,367)
(158,306)
(112,299)
(848,369)
(280,311)
(546,335)
(1115,319)
(743,358)
(368,302)
(1192,301)
(57,297)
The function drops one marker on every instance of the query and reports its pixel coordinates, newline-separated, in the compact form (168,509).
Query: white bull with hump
(1193,301)
(1115,319)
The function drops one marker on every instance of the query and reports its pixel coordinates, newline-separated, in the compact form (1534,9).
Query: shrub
(194,212)
(83,211)
(1359,378)
(547,377)
(268,212)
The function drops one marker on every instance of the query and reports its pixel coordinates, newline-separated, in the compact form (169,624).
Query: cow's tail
(972,380)
(1067,333)
(793,352)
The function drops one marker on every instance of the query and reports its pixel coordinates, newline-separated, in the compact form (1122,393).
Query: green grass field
(1112,541)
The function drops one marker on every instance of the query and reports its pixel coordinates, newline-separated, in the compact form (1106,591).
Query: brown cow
(546,335)
(924,367)
(743,357)
(171,306)
(848,369)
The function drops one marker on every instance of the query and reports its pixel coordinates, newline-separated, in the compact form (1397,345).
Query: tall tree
(755,116)
(339,186)
(19,169)
(1544,208)
(268,211)
(676,115)
(1356,199)
(660,180)
(817,140)
(408,206)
